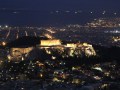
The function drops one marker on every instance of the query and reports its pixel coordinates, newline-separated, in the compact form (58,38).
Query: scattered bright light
(6,26)
(3,43)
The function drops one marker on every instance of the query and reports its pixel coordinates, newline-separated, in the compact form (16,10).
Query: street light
(3,43)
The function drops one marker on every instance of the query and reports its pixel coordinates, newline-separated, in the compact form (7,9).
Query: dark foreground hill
(26,41)
(108,53)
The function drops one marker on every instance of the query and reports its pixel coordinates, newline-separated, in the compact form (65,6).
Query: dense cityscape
(101,31)
(57,60)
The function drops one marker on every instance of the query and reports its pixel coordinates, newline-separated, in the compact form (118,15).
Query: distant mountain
(25,41)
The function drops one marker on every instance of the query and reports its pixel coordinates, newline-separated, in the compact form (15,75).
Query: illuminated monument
(52,42)
(51,45)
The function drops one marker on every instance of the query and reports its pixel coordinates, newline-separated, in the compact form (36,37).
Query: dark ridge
(2,47)
(25,41)
(108,53)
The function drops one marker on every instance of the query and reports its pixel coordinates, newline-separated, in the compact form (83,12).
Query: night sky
(35,12)
(112,5)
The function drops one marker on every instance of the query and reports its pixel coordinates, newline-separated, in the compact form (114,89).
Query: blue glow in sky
(113,5)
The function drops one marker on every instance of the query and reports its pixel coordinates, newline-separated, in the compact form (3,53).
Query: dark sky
(113,5)
(41,18)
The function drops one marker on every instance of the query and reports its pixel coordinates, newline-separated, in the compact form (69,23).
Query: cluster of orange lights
(39,64)
(48,36)
(3,43)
